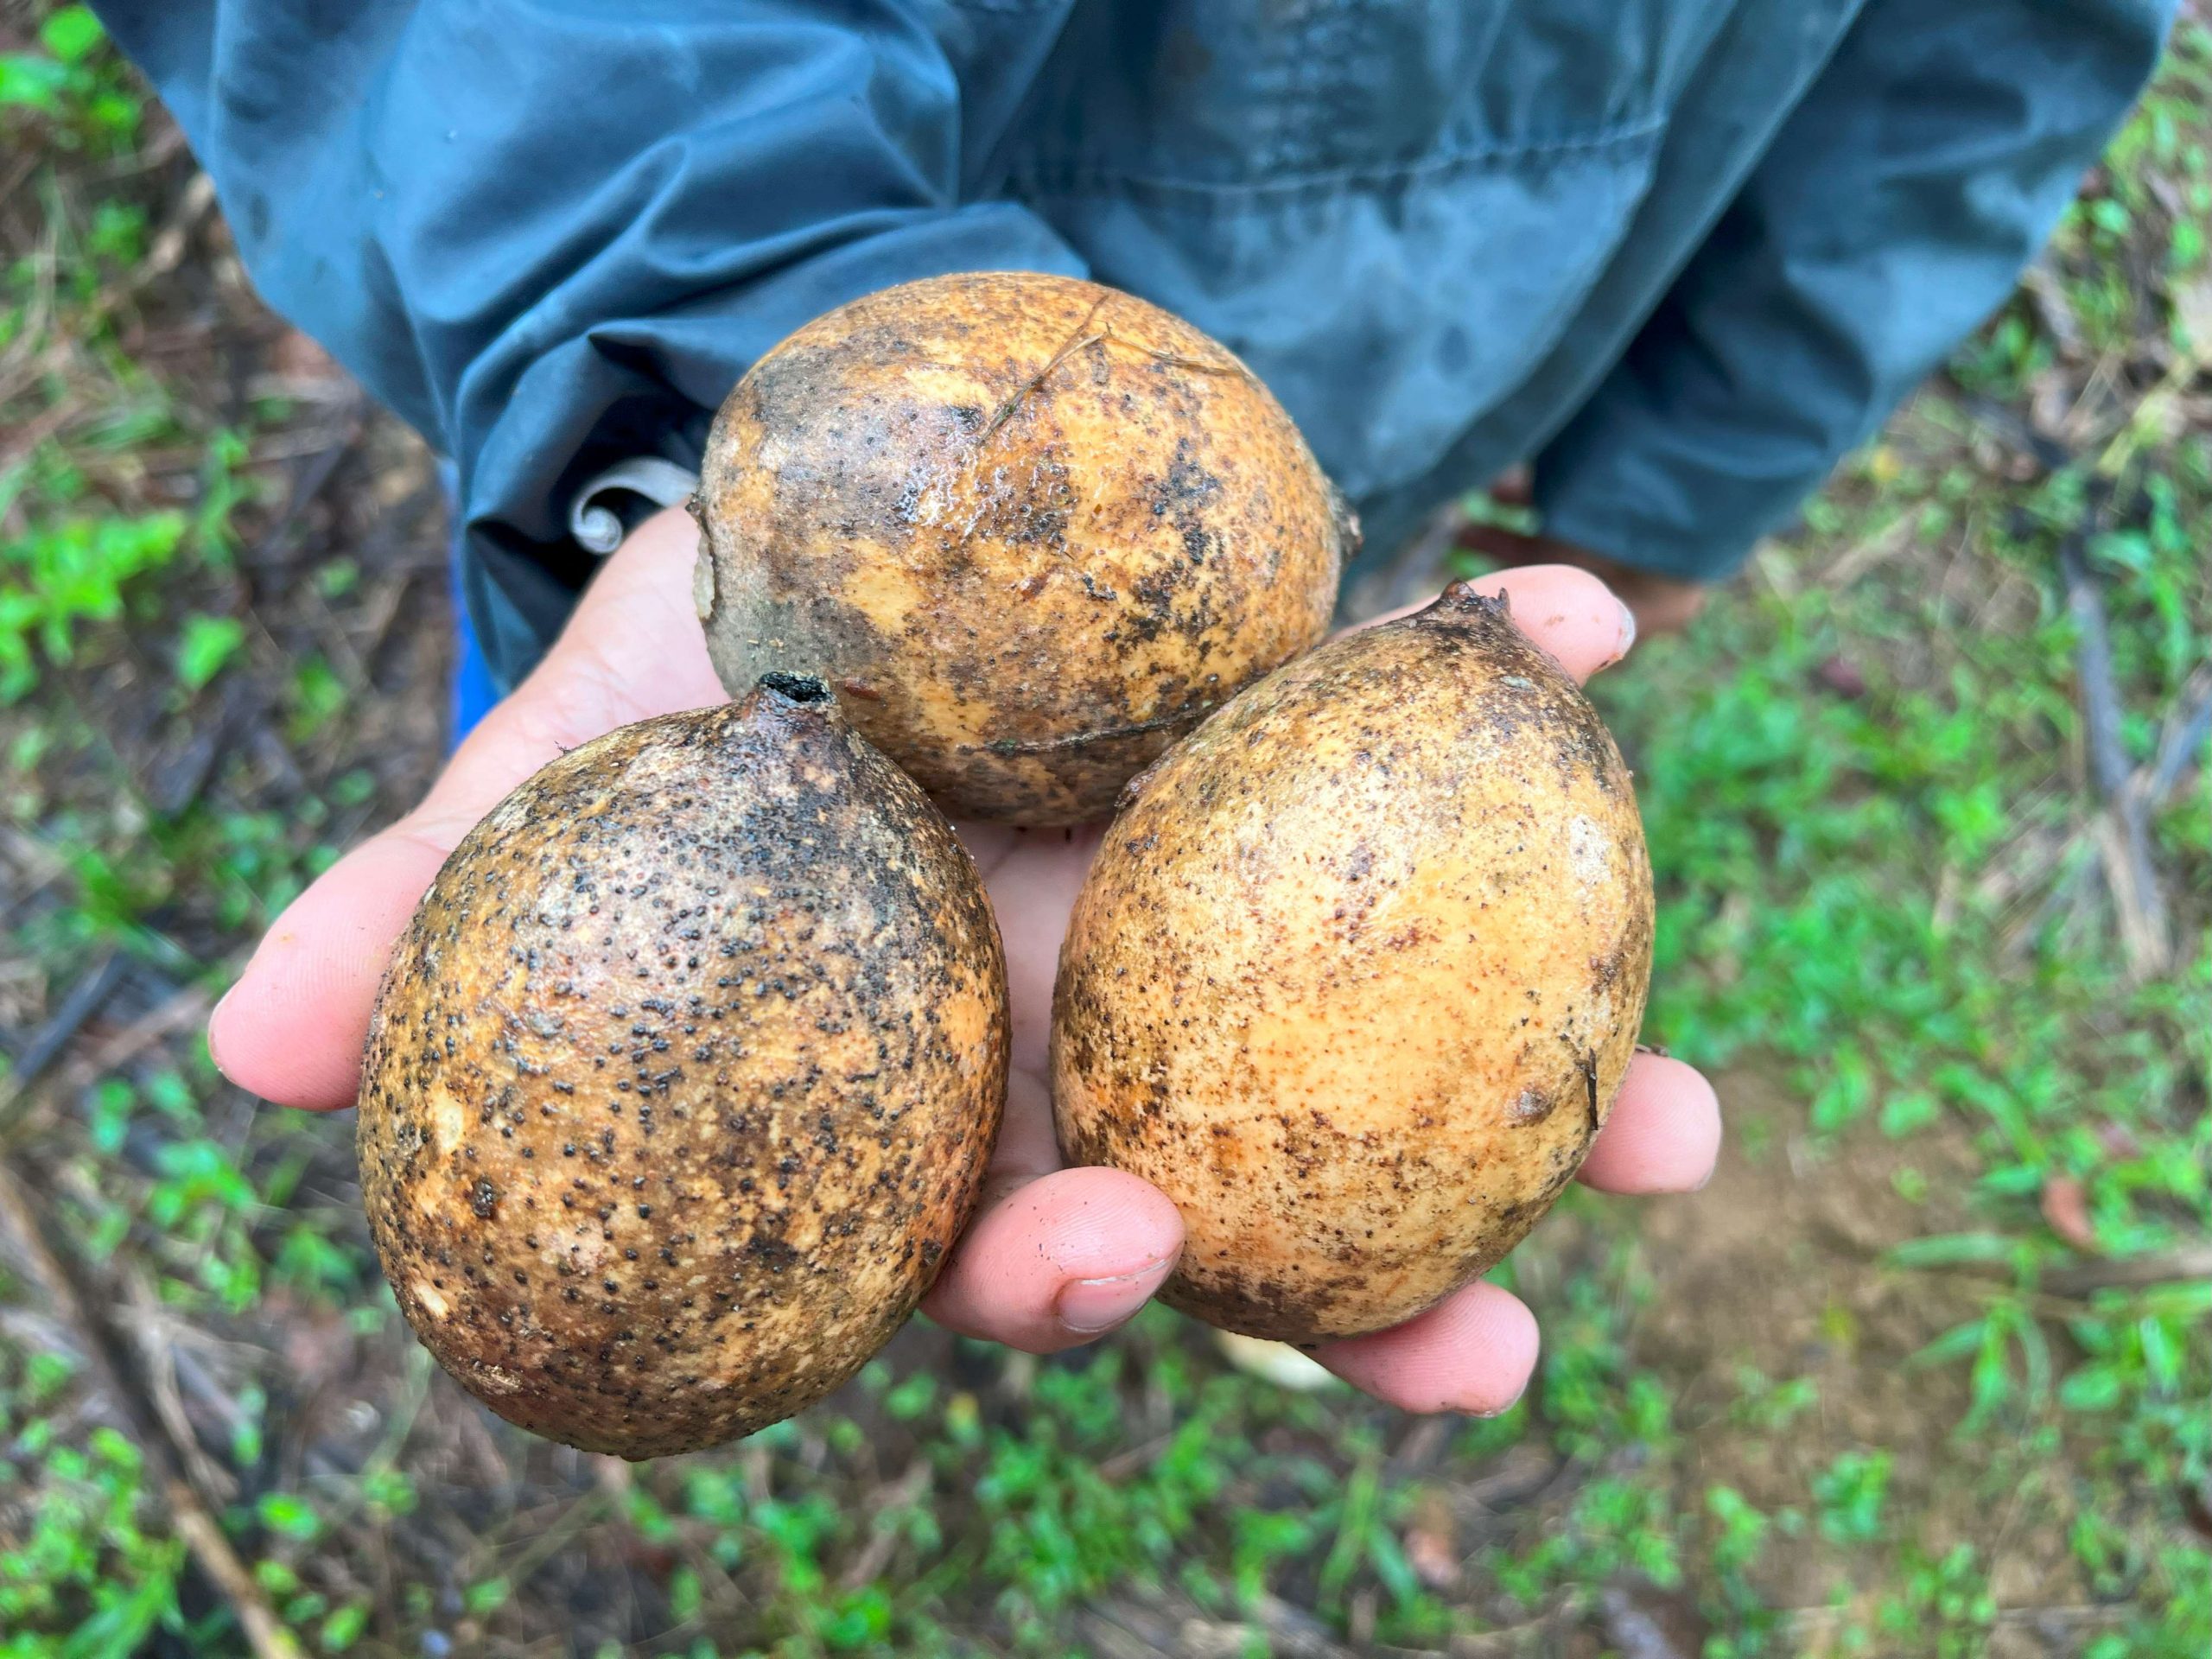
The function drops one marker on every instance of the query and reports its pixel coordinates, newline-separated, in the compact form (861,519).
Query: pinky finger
(1664,1134)
(1474,1352)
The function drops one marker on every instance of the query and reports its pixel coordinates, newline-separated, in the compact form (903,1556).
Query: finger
(1052,1258)
(1472,1352)
(1033,876)
(1664,1134)
(1569,613)
(1058,1260)
(633,648)
(290,1030)
(1660,604)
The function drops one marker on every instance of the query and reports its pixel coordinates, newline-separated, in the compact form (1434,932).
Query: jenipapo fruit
(682,1082)
(1030,529)
(1357,972)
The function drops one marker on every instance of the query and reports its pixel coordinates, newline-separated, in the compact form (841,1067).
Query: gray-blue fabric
(1680,254)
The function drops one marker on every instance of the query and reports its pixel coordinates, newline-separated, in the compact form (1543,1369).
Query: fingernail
(1087,1306)
(214,1019)
(1628,631)
(1499,1411)
(1713,1170)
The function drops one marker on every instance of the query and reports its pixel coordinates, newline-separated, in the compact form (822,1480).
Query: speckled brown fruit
(1357,972)
(1031,529)
(682,1081)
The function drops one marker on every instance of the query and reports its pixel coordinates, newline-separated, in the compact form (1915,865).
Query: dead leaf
(1431,1548)
(2067,1209)
(1843,677)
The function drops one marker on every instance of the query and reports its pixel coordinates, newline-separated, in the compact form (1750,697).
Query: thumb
(291,1029)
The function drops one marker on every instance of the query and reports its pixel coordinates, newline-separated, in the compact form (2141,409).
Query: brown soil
(1779,1265)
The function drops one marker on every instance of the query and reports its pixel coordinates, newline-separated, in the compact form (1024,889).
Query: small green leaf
(485,1597)
(1954,1344)
(288,1516)
(1951,1249)
(317,697)
(2095,1387)
(29,82)
(208,643)
(71,33)
(343,1627)
(2128,549)
(1902,1115)
(683,1595)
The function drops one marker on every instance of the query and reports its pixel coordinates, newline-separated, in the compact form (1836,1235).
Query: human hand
(1660,604)
(1054,1256)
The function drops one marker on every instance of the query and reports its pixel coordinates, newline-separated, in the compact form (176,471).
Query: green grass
(1884,922)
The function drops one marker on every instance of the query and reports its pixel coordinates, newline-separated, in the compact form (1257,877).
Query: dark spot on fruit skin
(872,1063)
(773,1254)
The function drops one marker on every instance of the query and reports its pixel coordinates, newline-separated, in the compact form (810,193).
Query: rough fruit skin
(1358,971)
(1031,529)
(682,1080)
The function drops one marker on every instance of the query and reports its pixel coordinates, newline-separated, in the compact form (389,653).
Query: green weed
(61,575)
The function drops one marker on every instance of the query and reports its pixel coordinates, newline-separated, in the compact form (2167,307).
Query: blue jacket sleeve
(1893,213)
(551,235)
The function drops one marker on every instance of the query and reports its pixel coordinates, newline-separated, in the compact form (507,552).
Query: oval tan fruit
(1031,529)
(1357,972)
(682,1080)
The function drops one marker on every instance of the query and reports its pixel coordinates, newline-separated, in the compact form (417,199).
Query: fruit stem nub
(1465,598)
(795,688)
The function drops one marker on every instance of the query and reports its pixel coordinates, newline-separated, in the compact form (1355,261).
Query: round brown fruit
(1357,972)
(1031,530)
(682,1080)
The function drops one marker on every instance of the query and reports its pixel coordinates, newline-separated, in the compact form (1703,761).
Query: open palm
(1054,1256)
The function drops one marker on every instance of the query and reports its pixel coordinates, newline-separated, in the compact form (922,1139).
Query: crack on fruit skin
(1330,980)
(1065,351)
(717,1004)
(1040,616)
(1182,718)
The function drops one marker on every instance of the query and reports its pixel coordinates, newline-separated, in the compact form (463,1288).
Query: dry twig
(2123,833)
(44,1046)
(2184,1262)
(876,1555)
(2182,733)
